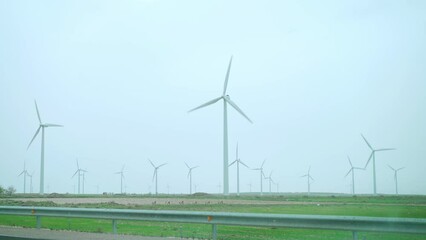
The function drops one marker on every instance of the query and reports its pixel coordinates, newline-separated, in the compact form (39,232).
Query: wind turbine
(31,181)
(226,100)
(121,178)
(395,176)
(79,171)
(261,176)
(42,126)
(25,172)
(270,181)
(353,174)
(373,155)
(190,177)
(155,175)
(238,161)
(308,176)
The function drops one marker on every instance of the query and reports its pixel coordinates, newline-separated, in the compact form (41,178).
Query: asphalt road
(18,233)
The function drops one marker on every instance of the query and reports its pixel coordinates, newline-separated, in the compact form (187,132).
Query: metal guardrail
(343,223)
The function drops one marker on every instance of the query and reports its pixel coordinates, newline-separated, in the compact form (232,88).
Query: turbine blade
(161,165)
(78,167)
(391,167)
(225,86)
(311,177)
(262,164)
(228,100)
(385,149)
(256,169)
(232,163)
(151,163)
(187,165)
(206,104)
(367,142)
(244,164)
(349,172)
(38,114)
(400,168)
(35,135)
(350,161)
(371,155)
(75,173)
(153,176)
(52,125)
(304,175)
(21,173)
(359,168)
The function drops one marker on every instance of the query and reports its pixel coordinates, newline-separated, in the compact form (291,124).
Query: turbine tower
(395,176)
(121,178)
(155,175)
(78,172)
(352,169)
(261,176)
(190,177)
(226,100)
(373,155)
(308,176)
(25,172)
(238,161)
(42,126)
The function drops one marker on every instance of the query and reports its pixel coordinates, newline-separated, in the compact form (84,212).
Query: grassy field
(380,206)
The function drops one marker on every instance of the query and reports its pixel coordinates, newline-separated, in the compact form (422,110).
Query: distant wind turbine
(270,181)
(155,175)
(79,172)
(373,155)
(353,174)
(31,181)
(121,178)
(226,100)
(25,172)
(190,177)
(261,176)
(395,176)
(41,126)
(308,176)
(238,161)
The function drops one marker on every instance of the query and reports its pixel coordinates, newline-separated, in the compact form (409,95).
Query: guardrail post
(214,231)
(38,222)
(355,235)
(114,226)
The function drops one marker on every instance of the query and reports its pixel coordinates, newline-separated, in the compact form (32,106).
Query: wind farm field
(341,205)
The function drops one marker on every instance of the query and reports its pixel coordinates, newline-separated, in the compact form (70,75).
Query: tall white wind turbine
(121,178)
(79,172)
(226,100)
(261,176)
(373,155)
(42,126)
(238,162)
(155,175)
(309,177)
(190,176)
(395,176)
(25,172)
(352,169)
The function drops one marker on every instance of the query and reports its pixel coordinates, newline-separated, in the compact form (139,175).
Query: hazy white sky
(121,76)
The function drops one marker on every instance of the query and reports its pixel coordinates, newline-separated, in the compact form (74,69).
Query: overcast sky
(121,76)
